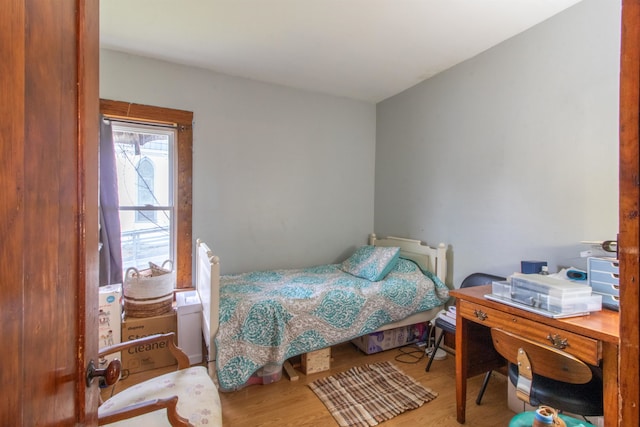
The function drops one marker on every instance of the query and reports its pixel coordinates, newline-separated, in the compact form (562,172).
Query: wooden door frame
(88,60)
(629,215)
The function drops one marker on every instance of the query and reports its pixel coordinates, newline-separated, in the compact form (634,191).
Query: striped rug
(368,395)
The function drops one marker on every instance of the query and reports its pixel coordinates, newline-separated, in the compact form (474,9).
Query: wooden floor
(291,403)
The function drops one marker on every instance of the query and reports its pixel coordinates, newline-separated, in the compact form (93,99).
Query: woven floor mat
(368,395)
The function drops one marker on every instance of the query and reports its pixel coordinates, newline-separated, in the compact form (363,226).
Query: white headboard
(428,258)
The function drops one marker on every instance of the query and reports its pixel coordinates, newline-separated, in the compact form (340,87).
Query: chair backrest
(479,279)
(539,359)
(545,360)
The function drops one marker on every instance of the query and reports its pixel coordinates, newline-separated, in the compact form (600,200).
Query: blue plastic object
(576,275)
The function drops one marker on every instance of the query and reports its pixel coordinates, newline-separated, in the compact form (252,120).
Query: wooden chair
(186,397)
(544,375)
(475,279)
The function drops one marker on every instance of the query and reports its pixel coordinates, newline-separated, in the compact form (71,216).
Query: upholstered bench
(186,397)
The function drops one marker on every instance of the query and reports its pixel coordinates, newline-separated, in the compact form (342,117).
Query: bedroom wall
(281,177)
(512,154)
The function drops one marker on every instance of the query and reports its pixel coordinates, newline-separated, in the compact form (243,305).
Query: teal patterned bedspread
(268,317)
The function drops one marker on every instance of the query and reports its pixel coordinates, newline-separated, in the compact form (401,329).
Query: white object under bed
(256,319)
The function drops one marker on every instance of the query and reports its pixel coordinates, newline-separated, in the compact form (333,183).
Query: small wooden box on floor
(316,361)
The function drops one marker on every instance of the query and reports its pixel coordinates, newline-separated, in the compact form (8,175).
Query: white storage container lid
(188,302)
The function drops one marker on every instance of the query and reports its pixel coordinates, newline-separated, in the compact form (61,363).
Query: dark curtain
(111,251)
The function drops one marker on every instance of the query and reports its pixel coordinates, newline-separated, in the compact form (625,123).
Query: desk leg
(462,329)
(609,373)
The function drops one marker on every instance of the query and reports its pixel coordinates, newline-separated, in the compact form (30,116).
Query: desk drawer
(604,277)
(607,265)
(586,349)
(605,288)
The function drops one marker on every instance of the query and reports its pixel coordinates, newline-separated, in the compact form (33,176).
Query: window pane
(146,185)
(145,161)
(145,241)
(144,165)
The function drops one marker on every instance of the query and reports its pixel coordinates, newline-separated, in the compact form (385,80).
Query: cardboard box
(142,358)
(109,320)
(316,361)
(391,338)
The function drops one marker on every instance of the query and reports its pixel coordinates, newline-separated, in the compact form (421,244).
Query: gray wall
(281,177)
(510,155)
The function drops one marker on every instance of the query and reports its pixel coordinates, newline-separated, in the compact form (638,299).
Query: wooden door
(48,203)
(629,238)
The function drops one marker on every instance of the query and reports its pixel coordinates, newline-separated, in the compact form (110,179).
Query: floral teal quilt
(268,317)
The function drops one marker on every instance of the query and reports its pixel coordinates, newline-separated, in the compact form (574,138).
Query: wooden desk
(593,338)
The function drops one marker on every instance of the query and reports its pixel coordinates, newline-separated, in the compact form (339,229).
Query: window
(153,147)
(146,170)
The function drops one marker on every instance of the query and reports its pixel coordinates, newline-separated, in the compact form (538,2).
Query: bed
(259,319)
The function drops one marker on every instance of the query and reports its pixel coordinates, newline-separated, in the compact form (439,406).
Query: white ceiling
(362,49)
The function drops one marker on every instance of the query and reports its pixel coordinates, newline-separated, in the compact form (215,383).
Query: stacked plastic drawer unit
(604,278)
